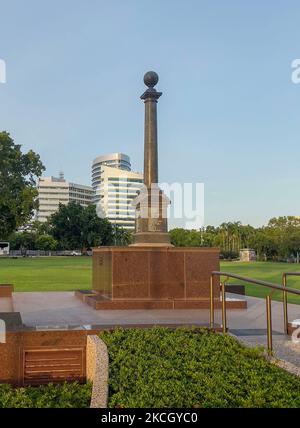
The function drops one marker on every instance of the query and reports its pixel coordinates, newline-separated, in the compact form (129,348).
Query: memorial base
(154,278)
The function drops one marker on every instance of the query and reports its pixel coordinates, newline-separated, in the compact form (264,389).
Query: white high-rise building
(114,160)
(115,187)
(52,191)
(117,190)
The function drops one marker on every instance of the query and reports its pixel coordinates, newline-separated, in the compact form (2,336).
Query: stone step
(83,294)
(102,302)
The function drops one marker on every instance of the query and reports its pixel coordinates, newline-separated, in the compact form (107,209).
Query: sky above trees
(229,114)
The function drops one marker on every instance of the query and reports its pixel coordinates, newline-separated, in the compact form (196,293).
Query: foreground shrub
(52,396)
(159,367)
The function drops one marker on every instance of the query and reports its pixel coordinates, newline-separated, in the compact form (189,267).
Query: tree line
(72,227)
(278,240)
(75,227)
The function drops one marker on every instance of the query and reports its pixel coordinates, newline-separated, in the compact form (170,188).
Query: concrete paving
(63,308)
(46,310)
(283,347)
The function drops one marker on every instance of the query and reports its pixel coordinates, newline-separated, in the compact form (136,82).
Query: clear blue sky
(229,115)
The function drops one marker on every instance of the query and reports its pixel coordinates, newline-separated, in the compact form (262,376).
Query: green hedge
(159,367)
(52,396)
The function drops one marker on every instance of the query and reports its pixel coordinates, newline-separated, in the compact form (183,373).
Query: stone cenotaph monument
(151,207)
(151,273)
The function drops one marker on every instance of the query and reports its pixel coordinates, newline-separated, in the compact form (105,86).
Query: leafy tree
(280,239)
(66,226)
(41,228)
(18,173)
(284,222)
(74,226)
(121,236)
(209,236)
(46,243)
(187,238)
(292,244)
(23,241)
(179,237)
(95,230)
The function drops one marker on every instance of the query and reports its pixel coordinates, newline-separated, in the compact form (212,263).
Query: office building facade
(52,191)
(113,160)
(115,187)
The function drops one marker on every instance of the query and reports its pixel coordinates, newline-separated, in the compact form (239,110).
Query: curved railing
(274,287)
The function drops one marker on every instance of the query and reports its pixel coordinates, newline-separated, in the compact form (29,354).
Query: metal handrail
(271,285)
(285,303)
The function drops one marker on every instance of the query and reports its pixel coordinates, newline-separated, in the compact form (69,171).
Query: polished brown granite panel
(198,268)
(6,290)
(10,359)
(17,343)
(102,304)
(232,304)
(121,304)
(132,277)
(130,274)
(166,274)
(102,272)
(205,304)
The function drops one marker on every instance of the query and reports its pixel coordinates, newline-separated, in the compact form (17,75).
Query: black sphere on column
(151,79)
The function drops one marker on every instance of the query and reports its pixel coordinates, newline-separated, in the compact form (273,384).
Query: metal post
(285,307)
(269,323)
(224,322)
(212,309)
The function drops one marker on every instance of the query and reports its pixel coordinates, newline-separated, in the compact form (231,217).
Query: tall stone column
(150,97)
(151,204)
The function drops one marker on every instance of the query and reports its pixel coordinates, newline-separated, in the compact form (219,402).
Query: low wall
(58,344)
(37,357)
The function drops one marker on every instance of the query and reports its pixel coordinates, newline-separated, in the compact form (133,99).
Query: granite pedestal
(153,278)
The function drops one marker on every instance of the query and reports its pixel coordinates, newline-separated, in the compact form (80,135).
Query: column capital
(151,93)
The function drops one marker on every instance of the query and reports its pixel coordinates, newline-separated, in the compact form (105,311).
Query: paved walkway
(64,310)
(283,347)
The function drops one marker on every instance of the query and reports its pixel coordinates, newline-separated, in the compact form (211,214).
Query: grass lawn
(266,271)
(159,367)
(47,273)
(75,273)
